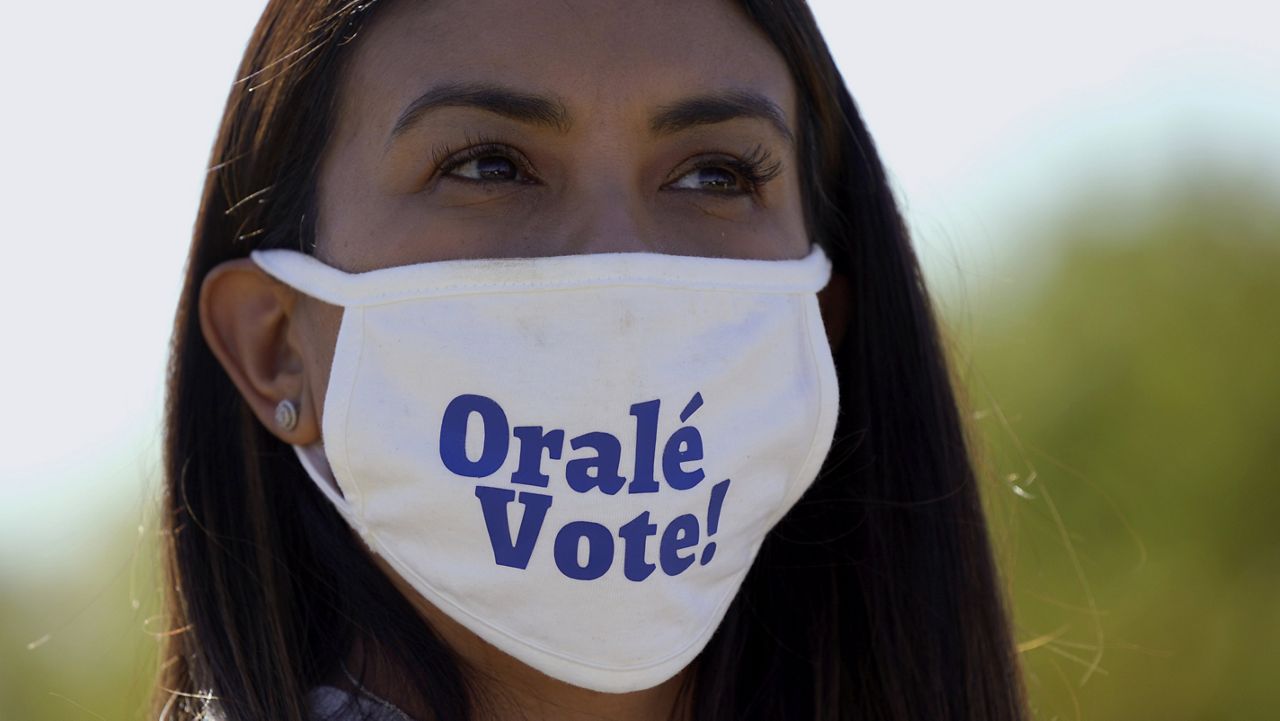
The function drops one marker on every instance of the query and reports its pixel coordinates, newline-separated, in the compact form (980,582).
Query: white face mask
(575,457)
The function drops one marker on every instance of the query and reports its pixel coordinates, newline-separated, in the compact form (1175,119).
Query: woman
(553,360)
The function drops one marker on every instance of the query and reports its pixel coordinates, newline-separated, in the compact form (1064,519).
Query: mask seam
(341,288)
(794,491)
(357,503)
(423,293)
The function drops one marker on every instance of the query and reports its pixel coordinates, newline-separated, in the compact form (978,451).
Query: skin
(597,180)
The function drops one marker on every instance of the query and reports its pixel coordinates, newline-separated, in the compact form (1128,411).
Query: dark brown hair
(876,597)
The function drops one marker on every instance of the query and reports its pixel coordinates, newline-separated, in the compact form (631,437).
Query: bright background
(1093,193)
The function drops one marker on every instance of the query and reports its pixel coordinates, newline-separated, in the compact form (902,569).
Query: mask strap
(311,276)
(317,467)
(306,273)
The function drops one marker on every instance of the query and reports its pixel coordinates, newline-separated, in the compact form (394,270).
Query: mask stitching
(355,496)
(341,288)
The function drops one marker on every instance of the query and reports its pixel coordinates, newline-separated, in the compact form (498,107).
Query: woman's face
(514,128)
(511,128)
(508,128)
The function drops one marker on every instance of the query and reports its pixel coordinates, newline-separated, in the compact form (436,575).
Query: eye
(489,167)
(487,163)
(729,175)
(709,178)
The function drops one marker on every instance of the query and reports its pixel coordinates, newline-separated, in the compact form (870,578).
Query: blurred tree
(77,643)
(1130,402)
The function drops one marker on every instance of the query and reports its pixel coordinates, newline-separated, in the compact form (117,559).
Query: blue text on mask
(595,472)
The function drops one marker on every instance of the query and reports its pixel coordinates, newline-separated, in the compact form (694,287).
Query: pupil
(715,177)
(495,166)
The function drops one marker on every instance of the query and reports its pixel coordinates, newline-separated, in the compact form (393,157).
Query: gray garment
(328,703)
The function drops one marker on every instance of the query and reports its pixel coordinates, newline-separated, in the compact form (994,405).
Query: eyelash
(445,160)
(754,169)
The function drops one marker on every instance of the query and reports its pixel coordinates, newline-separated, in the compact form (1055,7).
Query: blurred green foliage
(1128,391)
(79,643)
(1127,388)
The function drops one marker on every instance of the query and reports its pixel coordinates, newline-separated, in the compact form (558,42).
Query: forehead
(603,58)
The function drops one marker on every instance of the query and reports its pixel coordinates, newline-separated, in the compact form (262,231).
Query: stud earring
(286,415)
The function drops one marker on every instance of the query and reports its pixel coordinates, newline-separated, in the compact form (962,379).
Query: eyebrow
(524,107)
(550,112)
(718,108)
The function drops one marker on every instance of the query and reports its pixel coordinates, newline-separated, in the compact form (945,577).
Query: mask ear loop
(318,280)
(307,274)
(317,467)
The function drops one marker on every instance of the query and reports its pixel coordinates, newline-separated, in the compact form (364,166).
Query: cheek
(405,229)
(771,228)
(710,229)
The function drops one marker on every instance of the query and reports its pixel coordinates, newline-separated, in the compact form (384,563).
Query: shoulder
(328,703)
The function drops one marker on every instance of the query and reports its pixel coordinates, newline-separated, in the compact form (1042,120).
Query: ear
(834,301)
(246,317)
